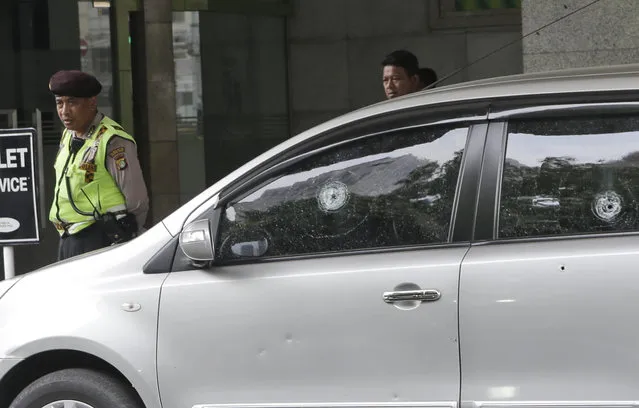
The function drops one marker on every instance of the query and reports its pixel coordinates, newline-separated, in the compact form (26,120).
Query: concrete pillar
(605,33)
(120,15)
(155,106)
(10,61)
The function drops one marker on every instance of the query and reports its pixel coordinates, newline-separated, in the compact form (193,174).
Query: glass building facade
(243,94)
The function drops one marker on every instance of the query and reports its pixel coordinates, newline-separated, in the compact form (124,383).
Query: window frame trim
(468,185)
(567,237)
(350,252)
(546,111)
(486,215)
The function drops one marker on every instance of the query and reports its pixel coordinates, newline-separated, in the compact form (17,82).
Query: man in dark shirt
(400,74)
(427,76)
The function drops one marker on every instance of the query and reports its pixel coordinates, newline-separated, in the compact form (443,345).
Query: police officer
(100,196)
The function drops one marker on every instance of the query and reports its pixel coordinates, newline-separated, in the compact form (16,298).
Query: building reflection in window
(95,50)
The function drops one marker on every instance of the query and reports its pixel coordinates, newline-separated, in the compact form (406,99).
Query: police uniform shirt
(123,165)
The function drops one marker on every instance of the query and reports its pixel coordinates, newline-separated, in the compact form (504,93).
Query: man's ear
(94,102)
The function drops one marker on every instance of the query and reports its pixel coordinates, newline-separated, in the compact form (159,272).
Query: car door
(335,281)
(548,294)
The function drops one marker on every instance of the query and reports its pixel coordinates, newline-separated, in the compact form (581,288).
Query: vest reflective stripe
(92,187)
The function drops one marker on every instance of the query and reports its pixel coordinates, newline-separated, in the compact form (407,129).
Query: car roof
(593,79)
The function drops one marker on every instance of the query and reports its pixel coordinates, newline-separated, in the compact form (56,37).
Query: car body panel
(551,320)
(311,331)
(7,284)
(75,305)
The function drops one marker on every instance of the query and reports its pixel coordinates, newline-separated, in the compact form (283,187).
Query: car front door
(335,281)
(548,300)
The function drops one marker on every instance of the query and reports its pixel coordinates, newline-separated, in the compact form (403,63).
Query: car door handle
(424,295)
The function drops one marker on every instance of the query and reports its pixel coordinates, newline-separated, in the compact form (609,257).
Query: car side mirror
(196,243)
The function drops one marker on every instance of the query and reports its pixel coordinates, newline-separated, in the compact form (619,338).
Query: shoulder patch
(121,163)
(117,153)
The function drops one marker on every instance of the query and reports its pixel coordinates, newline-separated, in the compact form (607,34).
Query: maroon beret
(74,83)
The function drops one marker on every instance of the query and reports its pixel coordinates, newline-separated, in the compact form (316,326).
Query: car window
(387,190)
(570,176)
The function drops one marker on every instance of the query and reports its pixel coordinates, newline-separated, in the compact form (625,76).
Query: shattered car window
(570,176)
(387,190)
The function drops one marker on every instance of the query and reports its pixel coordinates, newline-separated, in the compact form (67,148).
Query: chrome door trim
(442,404)
(425,295)
(550,404)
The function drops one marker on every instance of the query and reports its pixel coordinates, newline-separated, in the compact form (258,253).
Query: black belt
(81,233)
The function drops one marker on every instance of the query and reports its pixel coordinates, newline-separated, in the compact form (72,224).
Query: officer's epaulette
(101,131)
(114,128)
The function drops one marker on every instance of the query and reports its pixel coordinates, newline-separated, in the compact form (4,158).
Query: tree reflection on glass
(391,190)
(569,177)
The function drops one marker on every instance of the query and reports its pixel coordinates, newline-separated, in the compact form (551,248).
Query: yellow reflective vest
(84,187)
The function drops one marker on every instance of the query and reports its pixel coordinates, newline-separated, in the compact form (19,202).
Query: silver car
(469,246)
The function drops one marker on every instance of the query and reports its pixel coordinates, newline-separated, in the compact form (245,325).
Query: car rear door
(548,290)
